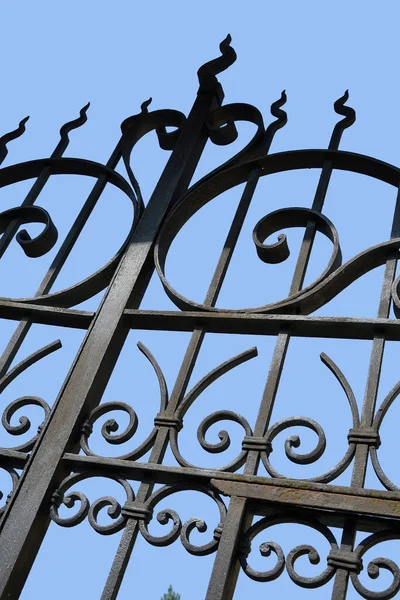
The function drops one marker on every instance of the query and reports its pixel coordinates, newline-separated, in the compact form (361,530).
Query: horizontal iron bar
(254,323)
(334,498)
(212,322)
(13,458)
(46,315)
(290,492)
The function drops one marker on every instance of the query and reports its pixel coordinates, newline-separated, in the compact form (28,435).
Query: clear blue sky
(57,56)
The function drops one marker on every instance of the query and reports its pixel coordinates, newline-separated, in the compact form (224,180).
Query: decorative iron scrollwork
(335,278)
(267,548)
(132,509)
(111,426)
(24,422)
(183,530)
(294,440)
(214,418)
(72,166)
(31,214)
(374,567)
(25,401)
(87,509)
(337,558)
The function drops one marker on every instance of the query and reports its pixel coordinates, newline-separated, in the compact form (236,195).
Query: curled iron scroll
(71,166)
(294,441)
(87,509)
(24,422)
(183,530)
(375,566)
(222,130)
(319,293)
(279,251)
(134,128)
(112,425)
(266,548)
(33,247)
(214,418)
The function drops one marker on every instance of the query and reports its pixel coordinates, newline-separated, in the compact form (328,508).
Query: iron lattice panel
(51,461)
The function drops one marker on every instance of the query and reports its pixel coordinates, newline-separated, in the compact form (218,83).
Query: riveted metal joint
(137,510)
(87,428)
(56,499)
(343,559)
(364,435)
(217,532)
(260,444)
(174,422)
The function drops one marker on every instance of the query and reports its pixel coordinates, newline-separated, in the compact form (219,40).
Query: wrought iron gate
(45,470)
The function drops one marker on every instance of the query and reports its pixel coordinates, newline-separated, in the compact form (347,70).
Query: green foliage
(171,595)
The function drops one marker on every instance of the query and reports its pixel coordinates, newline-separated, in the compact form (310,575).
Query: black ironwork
(46,469)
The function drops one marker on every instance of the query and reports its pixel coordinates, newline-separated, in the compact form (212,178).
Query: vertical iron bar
(369,403)
(160,446)
(226,568)
(226,565)
(157,455)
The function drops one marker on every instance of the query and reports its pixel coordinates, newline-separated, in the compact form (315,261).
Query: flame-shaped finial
(208,72)
(276,111)
(281,120)
(349,118)
(225,45)
(144,106)
(67,127)
(12,135)
(126,124)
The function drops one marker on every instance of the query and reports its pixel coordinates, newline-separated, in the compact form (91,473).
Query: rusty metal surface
(47,469)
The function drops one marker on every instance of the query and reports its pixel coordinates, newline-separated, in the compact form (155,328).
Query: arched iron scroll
(242,465)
